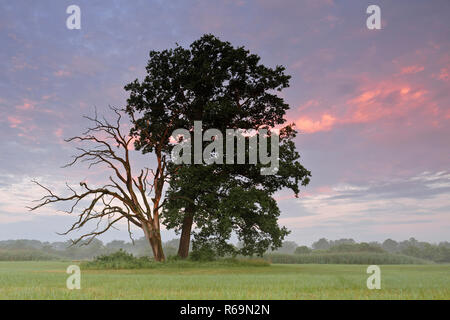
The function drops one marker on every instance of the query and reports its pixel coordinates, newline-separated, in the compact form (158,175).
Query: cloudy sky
(372,106)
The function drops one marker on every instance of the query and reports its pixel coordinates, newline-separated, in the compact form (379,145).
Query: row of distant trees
(434,252)
(83,250)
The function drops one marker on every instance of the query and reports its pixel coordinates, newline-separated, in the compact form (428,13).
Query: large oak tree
(225,88)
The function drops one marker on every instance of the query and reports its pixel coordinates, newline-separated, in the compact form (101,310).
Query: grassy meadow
(47,280)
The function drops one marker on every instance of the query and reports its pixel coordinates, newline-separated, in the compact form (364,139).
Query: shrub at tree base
(204,253)
(124,260)
(119,260)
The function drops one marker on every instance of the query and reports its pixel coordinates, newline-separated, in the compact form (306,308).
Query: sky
(372,107)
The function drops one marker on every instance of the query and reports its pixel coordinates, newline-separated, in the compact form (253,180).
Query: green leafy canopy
(225,88)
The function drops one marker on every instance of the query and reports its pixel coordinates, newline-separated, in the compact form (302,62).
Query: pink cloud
(48,97)
(383,100)
(62,73)
(444,74)
(26,105)
(59,132)
(29,137)
(308,125)
(412,69)
(324,189)
(19,63)
(14,121)
(373,101)
(87,65)
(308,104)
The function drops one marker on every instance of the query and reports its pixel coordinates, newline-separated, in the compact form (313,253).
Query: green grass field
(47,280)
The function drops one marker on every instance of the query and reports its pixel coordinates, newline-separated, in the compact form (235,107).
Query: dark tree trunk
(185,239)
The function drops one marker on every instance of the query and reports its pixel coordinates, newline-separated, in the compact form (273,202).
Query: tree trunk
(185,239)
(154,239)
(157,248)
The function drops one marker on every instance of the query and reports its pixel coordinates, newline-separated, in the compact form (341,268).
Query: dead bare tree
(124,196)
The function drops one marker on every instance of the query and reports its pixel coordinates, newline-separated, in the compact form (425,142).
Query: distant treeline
(36,250)
(321,251)
(349,250)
